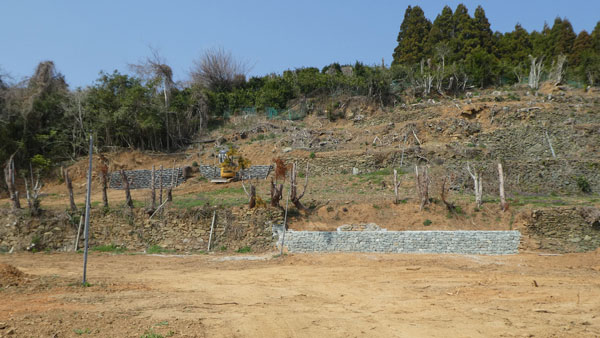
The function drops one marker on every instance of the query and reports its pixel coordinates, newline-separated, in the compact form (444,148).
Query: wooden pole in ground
(70,189)
(87,210)
(287,203)
(212,226)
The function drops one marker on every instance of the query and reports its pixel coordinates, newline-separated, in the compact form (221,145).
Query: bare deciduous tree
(535,71)
(557,71)
(218,69)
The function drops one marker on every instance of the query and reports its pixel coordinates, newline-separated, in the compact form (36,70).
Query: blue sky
(85,37)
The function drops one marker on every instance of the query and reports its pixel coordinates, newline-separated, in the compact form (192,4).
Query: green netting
(248,111)
(271,112)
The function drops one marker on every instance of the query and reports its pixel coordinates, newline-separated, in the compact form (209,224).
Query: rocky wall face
(567,229)
(439,242)
(180,230)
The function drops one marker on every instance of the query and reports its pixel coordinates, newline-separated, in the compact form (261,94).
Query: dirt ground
(302,295)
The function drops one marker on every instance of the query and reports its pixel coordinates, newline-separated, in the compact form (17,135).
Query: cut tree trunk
(252,202)
(160,183)
(294,197)
(276,193)
(153,187)
(422,182)
(396,186)
(503,203)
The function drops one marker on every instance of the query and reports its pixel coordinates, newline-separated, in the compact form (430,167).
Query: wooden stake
(76,244)
(87,210)
(212,225)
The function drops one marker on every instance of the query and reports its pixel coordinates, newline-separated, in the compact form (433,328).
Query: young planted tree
(535,72)
(477,185)
(9,177)
(33,192)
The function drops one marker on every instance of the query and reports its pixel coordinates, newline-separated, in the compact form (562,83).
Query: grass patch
(151,334)
(223,248)
(245,249)
(157,249)
(227,197)
(82,331)
(109,248)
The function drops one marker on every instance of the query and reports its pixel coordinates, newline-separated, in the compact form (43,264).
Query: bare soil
(309,295)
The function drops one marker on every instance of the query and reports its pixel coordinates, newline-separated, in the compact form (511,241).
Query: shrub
(245,249)
(427,222)
(312,155)
(583,184)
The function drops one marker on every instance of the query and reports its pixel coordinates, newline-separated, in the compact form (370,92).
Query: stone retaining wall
(456,242)
(141,179)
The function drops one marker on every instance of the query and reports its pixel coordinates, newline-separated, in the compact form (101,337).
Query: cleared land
(325,295)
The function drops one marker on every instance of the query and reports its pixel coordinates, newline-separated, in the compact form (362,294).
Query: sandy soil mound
(10,276)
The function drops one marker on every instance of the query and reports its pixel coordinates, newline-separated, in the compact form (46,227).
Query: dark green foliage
(583,184)
(412,38)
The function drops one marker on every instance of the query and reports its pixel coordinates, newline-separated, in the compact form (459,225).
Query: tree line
(44,122)
(458,49)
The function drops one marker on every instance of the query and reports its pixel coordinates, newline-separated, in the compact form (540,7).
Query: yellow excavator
(231,163)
